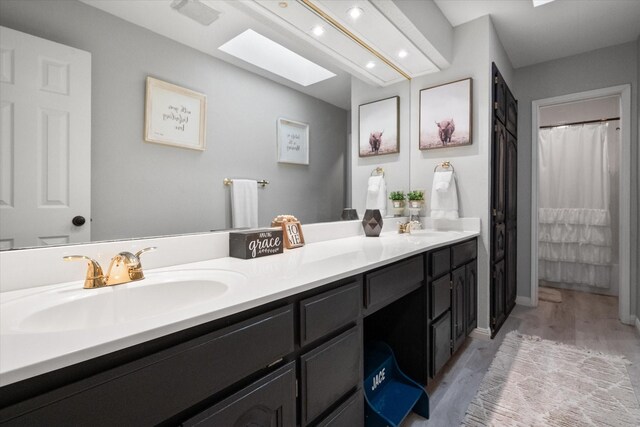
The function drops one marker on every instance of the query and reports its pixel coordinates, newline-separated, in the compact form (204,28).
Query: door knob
(78,220)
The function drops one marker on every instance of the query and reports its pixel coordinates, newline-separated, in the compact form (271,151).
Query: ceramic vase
(372,222)
(349,214)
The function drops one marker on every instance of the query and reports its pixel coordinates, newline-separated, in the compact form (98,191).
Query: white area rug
(536,382)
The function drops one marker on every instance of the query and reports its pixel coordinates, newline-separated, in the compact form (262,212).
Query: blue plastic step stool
(389,393)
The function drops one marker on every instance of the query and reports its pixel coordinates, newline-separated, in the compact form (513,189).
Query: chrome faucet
(124,268)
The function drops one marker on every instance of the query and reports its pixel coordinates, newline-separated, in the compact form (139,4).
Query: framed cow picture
(379,127)
(445,115)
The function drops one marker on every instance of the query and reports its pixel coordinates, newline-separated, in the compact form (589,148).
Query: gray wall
(637,145)
(166,190)
(601,68)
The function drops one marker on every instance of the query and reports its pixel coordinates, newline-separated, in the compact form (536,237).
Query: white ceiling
(555,30)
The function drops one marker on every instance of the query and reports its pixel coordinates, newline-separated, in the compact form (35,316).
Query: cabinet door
(512,113)
(471,297)
(511,268)
(440,343)
(499,241)
(498,293)
(329,372)
(499,95)
(349,414)
(511,179)
(498,172)
(459,278)
(269,402)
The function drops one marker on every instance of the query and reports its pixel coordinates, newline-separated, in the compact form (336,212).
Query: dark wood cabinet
(269,402)
(328,373)
(452,310)
(390,283)
(458,328)
(471,294)
(349,414)
(504,203)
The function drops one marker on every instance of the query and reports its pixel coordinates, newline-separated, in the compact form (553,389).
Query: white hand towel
(244,203)
(441,180)
(377,194)
(444,204)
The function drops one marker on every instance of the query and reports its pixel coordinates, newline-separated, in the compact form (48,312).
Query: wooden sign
(292,234)
(255,243)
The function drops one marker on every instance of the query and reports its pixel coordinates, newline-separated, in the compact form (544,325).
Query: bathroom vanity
(288,350)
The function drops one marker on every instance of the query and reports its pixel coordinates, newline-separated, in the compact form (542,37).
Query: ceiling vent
(195,10)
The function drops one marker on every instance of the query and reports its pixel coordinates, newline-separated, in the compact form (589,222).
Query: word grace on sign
(292,234)
(255,243)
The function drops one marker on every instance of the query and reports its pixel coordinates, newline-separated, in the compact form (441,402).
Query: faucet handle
(149,249)
(95,276)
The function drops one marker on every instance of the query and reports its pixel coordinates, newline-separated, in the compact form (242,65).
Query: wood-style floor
(581,319)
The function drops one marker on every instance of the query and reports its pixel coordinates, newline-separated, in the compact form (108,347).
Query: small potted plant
(416,199)
(397,200)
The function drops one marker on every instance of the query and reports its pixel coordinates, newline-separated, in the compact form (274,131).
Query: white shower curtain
(574,222)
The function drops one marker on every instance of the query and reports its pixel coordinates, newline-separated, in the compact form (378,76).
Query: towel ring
(377,171)
(444,165)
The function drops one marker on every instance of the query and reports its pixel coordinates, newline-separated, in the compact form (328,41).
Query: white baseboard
(526,301)
(481,333)
(638,324)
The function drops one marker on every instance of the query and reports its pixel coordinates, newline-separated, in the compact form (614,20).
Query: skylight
(262,52)
(537,3)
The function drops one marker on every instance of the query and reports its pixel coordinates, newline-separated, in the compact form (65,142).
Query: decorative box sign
(292,234)
(255,243)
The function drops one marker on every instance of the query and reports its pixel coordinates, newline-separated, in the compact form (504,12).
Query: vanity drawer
(463,253)
(154,388)
(324,313)
(269,401)
(390,283)
(439,262)
(329,372)
(440,296)
(349,414)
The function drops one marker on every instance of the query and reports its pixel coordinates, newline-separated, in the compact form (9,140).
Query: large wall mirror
(138,188)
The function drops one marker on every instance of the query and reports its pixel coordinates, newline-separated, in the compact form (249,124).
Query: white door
(45,141)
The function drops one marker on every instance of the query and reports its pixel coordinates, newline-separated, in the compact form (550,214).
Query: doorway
(580,198)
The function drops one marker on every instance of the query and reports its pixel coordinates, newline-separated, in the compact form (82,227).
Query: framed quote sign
(292,234)
(293,142)
(174,115)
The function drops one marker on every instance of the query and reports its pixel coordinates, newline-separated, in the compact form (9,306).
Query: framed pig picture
(445,115)
(379,127)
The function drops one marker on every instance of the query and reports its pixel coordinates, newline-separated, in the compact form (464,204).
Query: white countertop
(27,353)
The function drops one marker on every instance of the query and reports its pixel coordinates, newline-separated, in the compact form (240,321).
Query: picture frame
(174,115)
(379,127)
(293,141)
(292,234)
(445,117)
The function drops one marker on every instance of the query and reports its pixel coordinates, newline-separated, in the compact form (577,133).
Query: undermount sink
(70,307)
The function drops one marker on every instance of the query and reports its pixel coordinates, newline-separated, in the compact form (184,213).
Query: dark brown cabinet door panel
(498,189)
(459,278)
(499,96)
(269,402)
(498,293)
(511,268)
(471,294)
(512,179)
(440,343)
(499,241)
(512,114)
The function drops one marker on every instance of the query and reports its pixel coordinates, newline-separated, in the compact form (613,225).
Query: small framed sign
(293,142)
(292,234)
(174,115)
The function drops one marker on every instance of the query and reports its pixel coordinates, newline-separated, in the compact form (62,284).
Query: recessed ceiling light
(355,12)
(283,4)
(318,30)
(370,64)
(537,3)
(264,53)
(403,53)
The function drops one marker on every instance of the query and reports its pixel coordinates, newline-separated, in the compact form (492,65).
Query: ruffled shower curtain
(574,222)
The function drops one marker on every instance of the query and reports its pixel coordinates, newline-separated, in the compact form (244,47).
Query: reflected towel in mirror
(244,203)
(377,194)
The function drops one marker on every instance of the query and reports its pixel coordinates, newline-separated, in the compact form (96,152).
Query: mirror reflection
(88,174)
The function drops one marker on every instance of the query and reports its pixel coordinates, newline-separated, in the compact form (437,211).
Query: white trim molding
(525,301)
(481,333)
(624,91)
